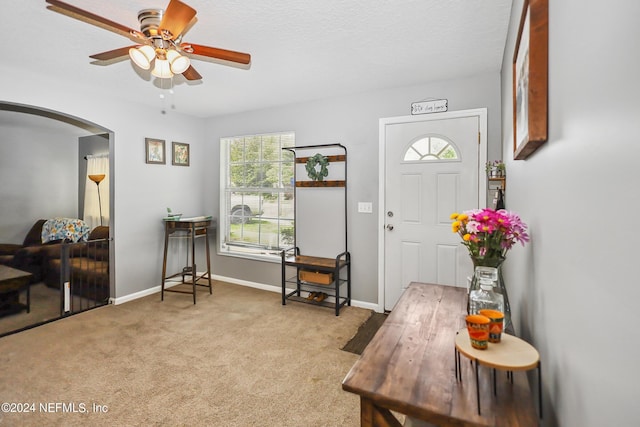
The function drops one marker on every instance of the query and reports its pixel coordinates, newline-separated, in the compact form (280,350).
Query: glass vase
(499,286)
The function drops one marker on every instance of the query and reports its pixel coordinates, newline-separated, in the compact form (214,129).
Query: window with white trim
(256,195)
(431,148)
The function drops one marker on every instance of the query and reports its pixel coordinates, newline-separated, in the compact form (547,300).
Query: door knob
(390,227)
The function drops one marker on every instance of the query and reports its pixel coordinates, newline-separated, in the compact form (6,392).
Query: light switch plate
(365,207)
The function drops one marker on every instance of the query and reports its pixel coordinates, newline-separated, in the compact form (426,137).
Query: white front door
(431,166)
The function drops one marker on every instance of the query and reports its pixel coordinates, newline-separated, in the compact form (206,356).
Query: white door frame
(481,113)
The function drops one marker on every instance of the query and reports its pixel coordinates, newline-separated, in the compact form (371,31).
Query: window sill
(271,256)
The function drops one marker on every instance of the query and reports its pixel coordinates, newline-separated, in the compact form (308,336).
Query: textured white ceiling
(301,50)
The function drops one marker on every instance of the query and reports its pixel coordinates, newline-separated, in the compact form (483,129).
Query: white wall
(141,192)
(352,121)
(573,289)
(38,172)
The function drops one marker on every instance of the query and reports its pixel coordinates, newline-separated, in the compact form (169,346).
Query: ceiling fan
(159,41)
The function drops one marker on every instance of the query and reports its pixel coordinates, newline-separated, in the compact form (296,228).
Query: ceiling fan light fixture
(160,32)
(142,56)
(179,63)
(162,69)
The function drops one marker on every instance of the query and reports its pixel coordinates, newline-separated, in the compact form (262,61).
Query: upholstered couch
(88,265)
(28,255)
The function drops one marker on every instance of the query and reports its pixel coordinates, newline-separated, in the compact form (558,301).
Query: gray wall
(574,288)
(38,172)
(352,121)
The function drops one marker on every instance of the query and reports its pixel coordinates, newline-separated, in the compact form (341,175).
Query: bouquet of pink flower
(489,234)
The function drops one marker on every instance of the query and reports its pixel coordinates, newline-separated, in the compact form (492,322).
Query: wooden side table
(510,354)
(12,282)
(190,228)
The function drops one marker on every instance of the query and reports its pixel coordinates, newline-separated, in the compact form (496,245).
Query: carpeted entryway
(237,358)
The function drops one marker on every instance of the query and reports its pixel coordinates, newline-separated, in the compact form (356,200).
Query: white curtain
(96,164)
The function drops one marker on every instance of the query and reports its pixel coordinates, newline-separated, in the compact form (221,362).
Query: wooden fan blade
(112,54)
(191,74)
(176,18)
(214,52)
(92,18)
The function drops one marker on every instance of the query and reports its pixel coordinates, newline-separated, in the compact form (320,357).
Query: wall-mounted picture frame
(530,79)
(180,154)
(154,151)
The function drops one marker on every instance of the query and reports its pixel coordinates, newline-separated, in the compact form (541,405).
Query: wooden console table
(190,228)
(410,367)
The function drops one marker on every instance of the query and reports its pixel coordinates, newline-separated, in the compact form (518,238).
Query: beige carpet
(237,358)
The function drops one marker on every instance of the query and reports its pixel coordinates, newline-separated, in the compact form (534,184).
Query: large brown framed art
(530,79)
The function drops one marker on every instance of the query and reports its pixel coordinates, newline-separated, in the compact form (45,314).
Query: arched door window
(431,148)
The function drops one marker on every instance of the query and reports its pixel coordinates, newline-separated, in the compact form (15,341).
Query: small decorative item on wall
(530,79)
(429,106)
(180,154)
(154,151)
(312,167)
(495,169)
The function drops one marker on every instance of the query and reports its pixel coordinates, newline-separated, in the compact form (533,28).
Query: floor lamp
(97,179)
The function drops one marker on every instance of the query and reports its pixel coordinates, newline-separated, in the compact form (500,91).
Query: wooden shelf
(501,179)
(314,262)
(321,183)
(336,158)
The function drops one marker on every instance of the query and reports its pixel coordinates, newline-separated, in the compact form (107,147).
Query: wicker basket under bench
(316,274)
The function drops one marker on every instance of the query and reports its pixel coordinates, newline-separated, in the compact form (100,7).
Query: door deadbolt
(390,214)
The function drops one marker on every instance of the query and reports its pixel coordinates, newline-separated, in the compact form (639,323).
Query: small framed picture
(154,151)
(180,154)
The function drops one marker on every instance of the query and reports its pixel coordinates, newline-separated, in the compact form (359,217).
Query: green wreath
(313,172)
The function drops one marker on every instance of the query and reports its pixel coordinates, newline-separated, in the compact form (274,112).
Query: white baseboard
(144,293)
(232,280)
(278,289)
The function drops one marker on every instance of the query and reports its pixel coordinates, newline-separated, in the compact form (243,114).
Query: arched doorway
(42,161)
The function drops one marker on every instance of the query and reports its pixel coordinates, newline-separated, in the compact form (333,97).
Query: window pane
(252,149)
(287,156)
(411,155)
(269,236)
(271,148)
(287,175)
(271,175)
(286,233)
(288,139)
(285,207)
(236,150)
(236,175)
(430,149)
(421,146)
(449,153)
(259,194)
(437,145)
(252,175)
